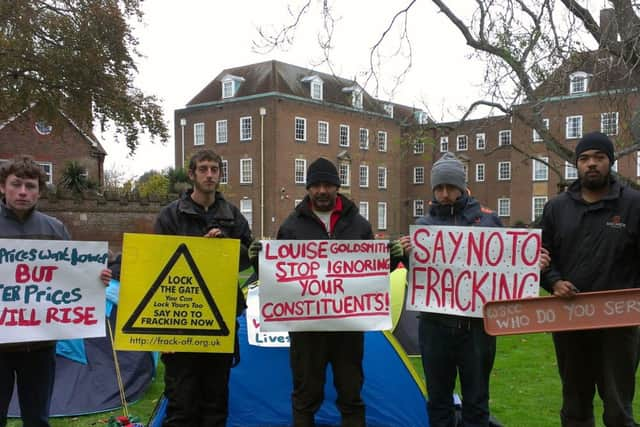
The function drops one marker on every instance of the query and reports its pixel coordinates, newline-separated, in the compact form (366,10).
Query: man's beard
(325,200)
(594,183)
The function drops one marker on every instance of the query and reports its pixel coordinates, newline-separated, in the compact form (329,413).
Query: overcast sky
(186,44)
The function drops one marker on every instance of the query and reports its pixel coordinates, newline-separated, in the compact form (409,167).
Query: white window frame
(300,171)
(222,135)
(228,88)
(578,83)
(382,177)
(535,136)
(246,209)
(300,129)
(504,207)
(47,168)
(504,137)
(382,215)
(363,207)
(575,128)
(481,141)
(540,170)
(418,175)
(444,144)
(507,176)
(606,125)
(382,141)
(357,99)
(538,199)
(246,171)
(323,135)
(462,143)
(480,172)
(198,133)
(224,172)
(363,176)
(418,208)
(388,108)
(343,139)
(316,89)
(363,138)
(246,131)
(344,172)
(418,147)
(570,171)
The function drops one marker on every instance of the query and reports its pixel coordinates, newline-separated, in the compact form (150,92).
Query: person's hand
(545,259)
(395,249)
(564,289)
(105,276)
(214,232)
(254,250)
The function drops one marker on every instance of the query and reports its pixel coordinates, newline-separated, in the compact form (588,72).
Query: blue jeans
(451,346)
(34,373)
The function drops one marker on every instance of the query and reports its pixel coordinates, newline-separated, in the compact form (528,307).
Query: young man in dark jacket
(592,232)
(196,384)
(30,365)
(450,344)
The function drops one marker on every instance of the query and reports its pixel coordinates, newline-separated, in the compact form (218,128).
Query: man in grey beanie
(448,343)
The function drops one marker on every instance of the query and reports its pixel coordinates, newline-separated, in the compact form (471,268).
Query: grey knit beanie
(448,170)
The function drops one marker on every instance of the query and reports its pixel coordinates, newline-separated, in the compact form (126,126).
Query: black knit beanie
(322,170)
(595,141)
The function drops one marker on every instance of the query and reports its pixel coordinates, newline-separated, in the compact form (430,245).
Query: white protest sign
(324,285)
(254,334)
(456,270)
(51,289)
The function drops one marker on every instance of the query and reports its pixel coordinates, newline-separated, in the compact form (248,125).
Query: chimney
(608,27)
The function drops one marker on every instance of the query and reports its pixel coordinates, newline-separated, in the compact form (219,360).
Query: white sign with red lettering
(51,289)
(456,270)
(324,285)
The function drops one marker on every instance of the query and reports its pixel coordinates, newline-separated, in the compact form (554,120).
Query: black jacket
(465,211)
(594,246)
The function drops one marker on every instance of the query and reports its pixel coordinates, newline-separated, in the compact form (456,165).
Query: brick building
(52,146)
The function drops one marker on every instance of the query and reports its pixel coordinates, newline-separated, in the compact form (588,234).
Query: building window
(296,202)
(418,208)
(221,131)
(504,171)
(504,207)
(344,136)
(364,176)
(465,167)
(418,147)
(504,138)
(227,88)
(344,171)
(301,129)
(47,167)
(421,117)
(537,205)
(382,141)
(578,82)
(300,169)
(570,171)
(246,171)
(43,128)
(609,123)
(224,172)
(245,128)
(481,141)
(574,127)
(541,169)
(418,175)
(463,144)
(536,136)
(444,144)
(388,108)
(364,210)
(316,89)
(382,215)
(246,209)
(356,99)
(382,177)
(198,134)
(323,132)
(480,172)
(364,139)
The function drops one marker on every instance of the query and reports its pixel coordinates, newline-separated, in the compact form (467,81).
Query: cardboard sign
(255,334)
(456,270)
(324,285)
(177,294)
(591,310)
(51,289)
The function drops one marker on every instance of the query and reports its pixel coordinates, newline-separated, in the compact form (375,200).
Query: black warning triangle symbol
(130,326)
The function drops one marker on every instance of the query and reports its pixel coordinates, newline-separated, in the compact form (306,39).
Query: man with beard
(196,384)
(592,234)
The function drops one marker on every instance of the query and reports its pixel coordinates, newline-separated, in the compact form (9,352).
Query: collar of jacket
(615,189)
(189,206)
(465,206)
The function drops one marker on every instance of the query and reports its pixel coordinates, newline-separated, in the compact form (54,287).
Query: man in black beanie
(592,233)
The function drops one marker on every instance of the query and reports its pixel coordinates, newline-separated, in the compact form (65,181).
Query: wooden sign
(592,310)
